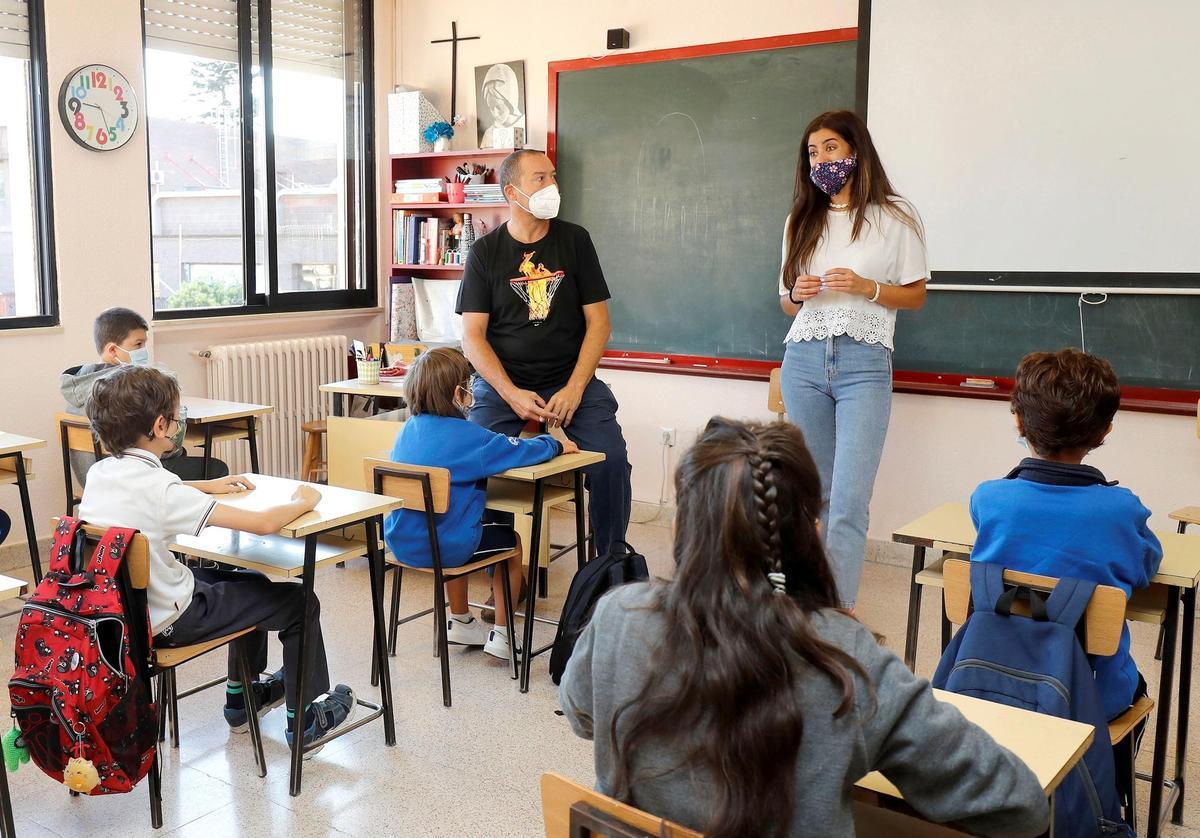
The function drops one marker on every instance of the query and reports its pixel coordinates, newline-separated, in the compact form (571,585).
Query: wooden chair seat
(1123,725)
(168,657)
(315,463)
(317,426)
(457,571)
(1187,515)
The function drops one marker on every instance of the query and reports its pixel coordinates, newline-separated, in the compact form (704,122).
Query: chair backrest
(404,352)
(1103,620)
(775,393)
(78,432)
(137,555)
(560,793)
(350,440)
(400,480)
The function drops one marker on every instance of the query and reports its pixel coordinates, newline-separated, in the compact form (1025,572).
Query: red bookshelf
(441,164)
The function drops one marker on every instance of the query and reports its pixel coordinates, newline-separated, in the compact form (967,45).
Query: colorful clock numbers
(98,107)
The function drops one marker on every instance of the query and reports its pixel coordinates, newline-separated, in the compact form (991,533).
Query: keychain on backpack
(15,749)
(80,775)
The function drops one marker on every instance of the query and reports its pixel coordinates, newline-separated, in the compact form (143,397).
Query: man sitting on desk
(535,322)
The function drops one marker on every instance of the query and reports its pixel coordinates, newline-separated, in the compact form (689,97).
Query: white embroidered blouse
(887,250)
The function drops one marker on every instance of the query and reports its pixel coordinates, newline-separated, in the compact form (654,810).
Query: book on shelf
(421,184)
(419,197)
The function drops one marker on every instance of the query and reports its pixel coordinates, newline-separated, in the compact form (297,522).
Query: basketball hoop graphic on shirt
(536,286)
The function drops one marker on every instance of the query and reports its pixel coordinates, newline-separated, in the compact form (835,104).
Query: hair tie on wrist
(878,288)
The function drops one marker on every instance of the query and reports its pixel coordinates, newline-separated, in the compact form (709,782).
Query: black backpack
(620,566)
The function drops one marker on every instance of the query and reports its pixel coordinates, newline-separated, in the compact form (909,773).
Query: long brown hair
(810,206)
(748,500)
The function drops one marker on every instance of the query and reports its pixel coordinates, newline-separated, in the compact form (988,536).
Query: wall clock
(98,107)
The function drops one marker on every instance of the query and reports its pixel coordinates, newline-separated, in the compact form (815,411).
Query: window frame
(360,239)
(43,210)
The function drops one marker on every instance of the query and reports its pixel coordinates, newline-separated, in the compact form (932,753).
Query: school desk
(214,420)
(14,468)
(563,464)
(391,388)
(9,588)
(296,550)
(1050,746)
(949,528)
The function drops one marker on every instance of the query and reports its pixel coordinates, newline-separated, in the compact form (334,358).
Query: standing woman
(853,254)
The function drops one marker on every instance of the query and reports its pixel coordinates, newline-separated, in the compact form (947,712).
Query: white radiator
(286,375)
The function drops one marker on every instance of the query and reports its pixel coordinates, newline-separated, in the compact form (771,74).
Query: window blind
(14,28)
(306,35)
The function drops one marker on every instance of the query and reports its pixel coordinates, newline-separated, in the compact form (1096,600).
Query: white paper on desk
(436,320)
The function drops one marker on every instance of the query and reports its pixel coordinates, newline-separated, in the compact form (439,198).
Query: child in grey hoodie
(737,698)
(120,336)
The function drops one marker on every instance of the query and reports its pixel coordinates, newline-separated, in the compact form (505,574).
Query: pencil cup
(456,192)
(474,179)
(368,372)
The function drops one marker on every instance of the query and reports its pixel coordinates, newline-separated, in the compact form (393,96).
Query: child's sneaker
(336,709)
(268,694)
(469,633)
(497,644)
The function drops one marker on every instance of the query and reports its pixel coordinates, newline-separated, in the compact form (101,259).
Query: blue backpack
(1038,664)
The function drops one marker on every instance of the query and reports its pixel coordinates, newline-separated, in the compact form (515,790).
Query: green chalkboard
(682,171)
(1151,340)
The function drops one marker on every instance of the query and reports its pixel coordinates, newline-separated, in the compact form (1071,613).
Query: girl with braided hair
(739,699)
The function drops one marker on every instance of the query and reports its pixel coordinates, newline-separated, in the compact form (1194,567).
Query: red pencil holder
(456,192)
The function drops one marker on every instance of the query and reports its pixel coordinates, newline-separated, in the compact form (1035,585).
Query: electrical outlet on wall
(667,437)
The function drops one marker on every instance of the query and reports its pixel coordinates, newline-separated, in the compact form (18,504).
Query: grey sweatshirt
(947,768)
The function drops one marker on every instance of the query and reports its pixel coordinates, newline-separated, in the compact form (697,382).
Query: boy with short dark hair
(1054,516)
(135,412)
(120,335)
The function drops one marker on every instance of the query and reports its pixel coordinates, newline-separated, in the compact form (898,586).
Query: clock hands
(107,127)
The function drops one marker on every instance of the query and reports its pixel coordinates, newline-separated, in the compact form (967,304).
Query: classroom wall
(102,229)
(938,448)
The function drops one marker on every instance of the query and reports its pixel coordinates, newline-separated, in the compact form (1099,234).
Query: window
(261,166)
(28,296)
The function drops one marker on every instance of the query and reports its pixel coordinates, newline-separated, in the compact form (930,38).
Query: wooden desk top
(12,443)
(10,587)
(202,411)
(560,464)
(387,387)
(337,507)
(1050,746)
(950,524)
(274,555)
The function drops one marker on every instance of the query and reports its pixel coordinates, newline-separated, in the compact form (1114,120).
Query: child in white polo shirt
(136,413)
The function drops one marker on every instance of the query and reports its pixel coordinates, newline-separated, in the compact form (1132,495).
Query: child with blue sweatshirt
(438,391)
(1054,516)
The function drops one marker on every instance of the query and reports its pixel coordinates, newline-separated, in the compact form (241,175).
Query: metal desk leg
(375,558)
(914,609)
(27,512)
(1185,699)
(10,831)
(208,429)
(252,438)
(1162,722)
(310,562)
(580,536)
(337,405)
(68,478)
(534,577)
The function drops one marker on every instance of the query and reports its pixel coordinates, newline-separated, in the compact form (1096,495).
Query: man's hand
(564,403)
(529,405)
(225,485)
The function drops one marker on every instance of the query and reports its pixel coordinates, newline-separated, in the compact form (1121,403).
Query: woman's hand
(847,281)
(807,286)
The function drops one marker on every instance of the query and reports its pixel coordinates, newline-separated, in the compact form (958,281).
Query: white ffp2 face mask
(544,203)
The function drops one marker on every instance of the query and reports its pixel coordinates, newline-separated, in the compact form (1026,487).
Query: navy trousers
(593,428)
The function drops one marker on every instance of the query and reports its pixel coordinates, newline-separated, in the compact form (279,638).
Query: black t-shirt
(534,294)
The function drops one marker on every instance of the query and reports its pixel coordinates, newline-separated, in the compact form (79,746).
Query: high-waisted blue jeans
(839,392)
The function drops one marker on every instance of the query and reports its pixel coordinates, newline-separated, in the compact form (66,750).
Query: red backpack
(79,691)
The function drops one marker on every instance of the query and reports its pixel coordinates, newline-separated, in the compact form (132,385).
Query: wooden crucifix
(453,42)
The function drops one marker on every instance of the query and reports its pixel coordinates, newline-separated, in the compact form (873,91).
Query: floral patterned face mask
(832,175)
